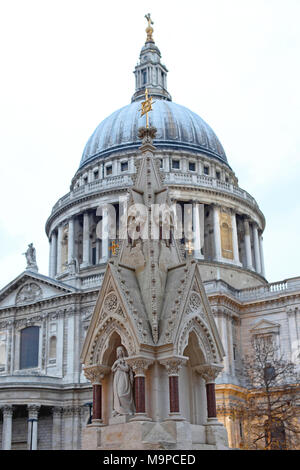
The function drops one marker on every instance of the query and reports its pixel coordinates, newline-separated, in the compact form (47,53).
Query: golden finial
(149,29)
(146,107)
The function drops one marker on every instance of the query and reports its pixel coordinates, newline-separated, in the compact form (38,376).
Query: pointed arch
(206,342)
(102,339)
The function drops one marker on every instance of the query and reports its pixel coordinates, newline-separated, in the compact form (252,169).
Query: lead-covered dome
(177,128)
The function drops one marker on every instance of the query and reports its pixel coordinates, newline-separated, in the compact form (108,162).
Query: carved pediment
(265,326)
(187,309)
(29,288)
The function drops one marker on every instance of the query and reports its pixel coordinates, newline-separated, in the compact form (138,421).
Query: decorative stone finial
(149,29)
(147,134)
(30,255)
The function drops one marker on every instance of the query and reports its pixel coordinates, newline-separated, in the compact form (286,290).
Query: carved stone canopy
(96,373)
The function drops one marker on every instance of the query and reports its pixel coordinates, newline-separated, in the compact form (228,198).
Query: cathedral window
(52,349)
(96,174)
(29,347)
(175,164)
(124,166)
(108,170)
(192,166)
(206,170)
(144,77)
(265,340)
(218,175)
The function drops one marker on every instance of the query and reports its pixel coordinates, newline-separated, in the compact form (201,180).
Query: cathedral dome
(178,128)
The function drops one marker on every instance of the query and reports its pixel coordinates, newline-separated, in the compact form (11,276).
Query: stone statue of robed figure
(123,403)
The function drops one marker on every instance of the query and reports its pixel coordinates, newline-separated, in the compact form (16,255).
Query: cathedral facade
(45,321)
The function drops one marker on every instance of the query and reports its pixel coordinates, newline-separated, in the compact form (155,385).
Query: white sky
(67,64)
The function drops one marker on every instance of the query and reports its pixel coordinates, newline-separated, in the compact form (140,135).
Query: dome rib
(178,128)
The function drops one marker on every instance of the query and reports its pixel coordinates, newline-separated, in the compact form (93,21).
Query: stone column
(59,248)
(262,262)
(248,244)
(256,249)
(217,233)
(56,428)
(230,345)
(198,228)
(32,441)
(105,239)
(98,250)
(68,414)
(95,375)
(97,402)
(86,240)
(235,246)
(173,366)
(209,373)
(139,366)
(7,411)
(71,244)
(224,337)
(53,255)
(293,327)
(76,427)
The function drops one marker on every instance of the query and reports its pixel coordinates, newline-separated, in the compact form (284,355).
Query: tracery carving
(111,302)
(195,301)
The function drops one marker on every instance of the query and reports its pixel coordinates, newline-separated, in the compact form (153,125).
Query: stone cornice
(244,306)
(52,302)
(85,197)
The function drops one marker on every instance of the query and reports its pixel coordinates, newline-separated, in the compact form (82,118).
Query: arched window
(52,348)
(29,347)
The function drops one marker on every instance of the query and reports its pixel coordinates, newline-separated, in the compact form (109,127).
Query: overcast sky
(67,64)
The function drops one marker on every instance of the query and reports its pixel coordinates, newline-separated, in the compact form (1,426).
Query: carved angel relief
(29,293)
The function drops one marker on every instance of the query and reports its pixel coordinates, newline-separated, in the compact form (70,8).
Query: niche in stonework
(226,235)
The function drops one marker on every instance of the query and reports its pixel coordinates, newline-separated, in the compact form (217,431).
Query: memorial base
(149,435)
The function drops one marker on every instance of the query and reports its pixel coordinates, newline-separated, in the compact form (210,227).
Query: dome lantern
(150,73)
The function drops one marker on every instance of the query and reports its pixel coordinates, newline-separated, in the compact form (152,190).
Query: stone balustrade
(121,181)
(251,293)
(92,281)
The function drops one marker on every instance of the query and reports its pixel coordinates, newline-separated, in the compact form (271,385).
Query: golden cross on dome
(113,247)
(149,29)
(146,107)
